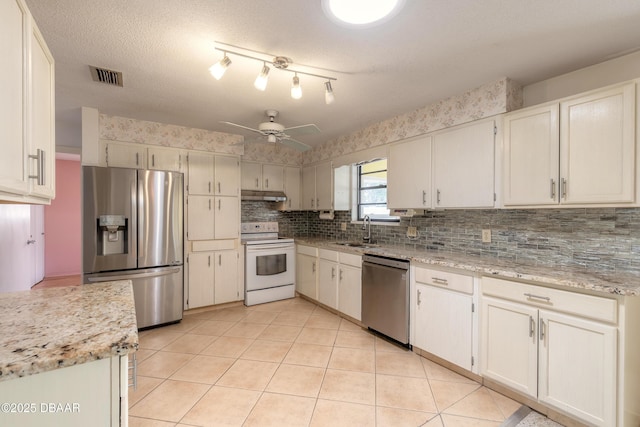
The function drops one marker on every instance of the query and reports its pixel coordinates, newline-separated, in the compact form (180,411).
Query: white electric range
(270,269)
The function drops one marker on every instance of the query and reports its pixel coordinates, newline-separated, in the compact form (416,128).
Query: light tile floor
(292,363)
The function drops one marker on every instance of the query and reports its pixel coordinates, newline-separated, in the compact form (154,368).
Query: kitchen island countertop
(46,329)
(606,282)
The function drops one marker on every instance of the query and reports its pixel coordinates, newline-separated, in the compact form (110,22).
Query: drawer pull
(533,296)
(440,281)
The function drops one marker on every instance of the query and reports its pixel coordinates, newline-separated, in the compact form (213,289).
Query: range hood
(268,196)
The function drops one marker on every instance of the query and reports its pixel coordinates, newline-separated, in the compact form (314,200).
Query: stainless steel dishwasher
(385,296)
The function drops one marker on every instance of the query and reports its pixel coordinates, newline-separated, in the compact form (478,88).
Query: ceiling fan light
(328,93)
(271,138)
(296,90)
(263,77)
(217,70)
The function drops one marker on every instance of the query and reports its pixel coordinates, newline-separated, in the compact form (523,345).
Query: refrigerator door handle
(134,275)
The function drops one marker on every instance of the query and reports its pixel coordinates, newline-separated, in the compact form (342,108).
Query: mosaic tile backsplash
(605,239)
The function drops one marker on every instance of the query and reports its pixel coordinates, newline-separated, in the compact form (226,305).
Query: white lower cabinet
(328,278)
(444,316)
(307,271)
(213,278)
(554,346)
(350,285)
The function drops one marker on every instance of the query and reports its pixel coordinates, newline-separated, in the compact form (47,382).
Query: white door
(532,157)
(597,142)
(578,367)
(328,283)
(226,277)
(201,279)
(200,218)
(37,235)
(17,252)
(200,173)
(306,275)
(446,317)
(463,167)
(226,218)
(272,178)
(409,174)
(227,176)
(350,291)
(292,188)
(510,345)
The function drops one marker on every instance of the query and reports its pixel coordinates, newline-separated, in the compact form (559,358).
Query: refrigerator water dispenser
(112,234)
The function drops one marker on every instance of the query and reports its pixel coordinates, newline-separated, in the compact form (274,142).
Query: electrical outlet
(486,236)
(412,232)
(343,226)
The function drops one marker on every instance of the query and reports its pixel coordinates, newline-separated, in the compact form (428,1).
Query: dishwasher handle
(386,262)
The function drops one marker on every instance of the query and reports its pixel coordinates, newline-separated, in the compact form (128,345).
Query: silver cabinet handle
(153,160)
(209,261)
(542,329)
(137,159)
(533,296)
(553,189)
(313,267)
(220,259)
(532,326)
(257,183)
(266,183)
(419,300)
(219,187)
(424,197)
(219,204)
(440,281)
(317,203)
(340,278)
(438,196)
(564,188)
(209,204)
(311,202)
(209,186)
(30,242)
(333,272)
(40,160)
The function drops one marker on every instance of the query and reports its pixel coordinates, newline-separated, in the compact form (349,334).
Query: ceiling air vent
(103,75)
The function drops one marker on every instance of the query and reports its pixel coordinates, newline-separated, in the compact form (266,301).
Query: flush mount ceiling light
(361,13)
(278,62)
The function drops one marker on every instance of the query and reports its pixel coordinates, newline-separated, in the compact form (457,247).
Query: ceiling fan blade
(243,127)
(302,129)
(300,146)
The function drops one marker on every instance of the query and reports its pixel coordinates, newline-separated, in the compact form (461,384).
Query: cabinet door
(200,218)
(272,178)
(597,142)
(328,283)
(125,155)
(226,277)
(201,279)
(251,176)
(166,159)
(463,167)
(578,367)
(227,176)
(509,344)
(292,188)
(13,162)
(350,291)
(309,188)
(42,107)
(306,275)
(200,173)
(324,186)
(446,324)
(226,218)
(409,181)
(532,157)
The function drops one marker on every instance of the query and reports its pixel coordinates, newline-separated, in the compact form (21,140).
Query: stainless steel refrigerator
(132,228)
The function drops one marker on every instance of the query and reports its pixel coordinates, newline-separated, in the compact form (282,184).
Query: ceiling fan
(275,132)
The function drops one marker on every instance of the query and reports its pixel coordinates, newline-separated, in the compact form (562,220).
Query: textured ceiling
(431,50)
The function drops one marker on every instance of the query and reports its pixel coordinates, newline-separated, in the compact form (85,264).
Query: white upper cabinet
(531,156)
(317,187)
(166,159)
(227,176)
(292,181)
(125,155)
(597,147)
(251,176)
(265,177)
(409,180)
(578,152)
(27,109)
(463,166)
(201,173)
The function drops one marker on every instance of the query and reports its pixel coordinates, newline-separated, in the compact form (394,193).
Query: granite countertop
(46,329)
(607,282)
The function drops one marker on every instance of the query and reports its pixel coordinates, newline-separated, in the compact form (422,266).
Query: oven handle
(252,248)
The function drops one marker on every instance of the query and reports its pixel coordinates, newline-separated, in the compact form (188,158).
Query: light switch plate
(486,236)
(343,226)
(412,232)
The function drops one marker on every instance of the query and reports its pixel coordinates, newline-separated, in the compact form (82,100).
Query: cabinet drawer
(307,250)
(328,255)
(350,259)
(445,279)
(593,307)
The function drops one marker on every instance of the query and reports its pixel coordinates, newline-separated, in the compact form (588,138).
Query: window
(372,191)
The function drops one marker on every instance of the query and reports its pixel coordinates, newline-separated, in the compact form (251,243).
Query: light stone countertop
(606,282)
(46,329)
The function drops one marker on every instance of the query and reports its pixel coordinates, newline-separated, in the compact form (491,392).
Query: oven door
(269,265)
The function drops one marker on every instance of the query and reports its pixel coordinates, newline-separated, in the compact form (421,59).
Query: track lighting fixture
(263,77)
(217,70)
(296,90)
(328,93)
(279,62)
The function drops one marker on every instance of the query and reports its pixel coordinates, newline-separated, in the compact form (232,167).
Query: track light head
(328,93)
(296,90)
(217,70)
(263,77)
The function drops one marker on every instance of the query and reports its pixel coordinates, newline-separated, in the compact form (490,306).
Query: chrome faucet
(366,225)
